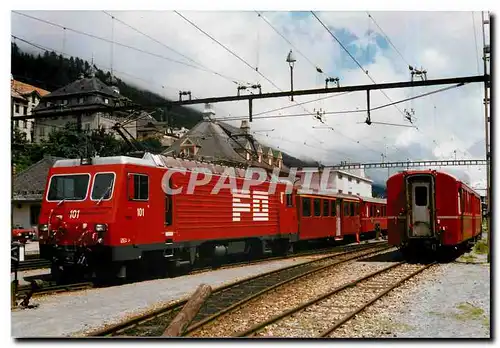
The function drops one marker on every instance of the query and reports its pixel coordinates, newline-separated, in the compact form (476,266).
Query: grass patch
(390,326)
(468,258)
(481,247)
(469,312)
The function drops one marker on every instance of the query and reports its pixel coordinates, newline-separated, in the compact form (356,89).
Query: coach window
(357,208)
(141,187)
(421,196)
(306,206)
(346,209)
(351,206)
(317,207)
(371,210)
(333,208)
(326,208)
(289,200)
(103,186)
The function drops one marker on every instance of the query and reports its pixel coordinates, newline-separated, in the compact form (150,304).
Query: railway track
(31,264)
(226,298)
(321,316)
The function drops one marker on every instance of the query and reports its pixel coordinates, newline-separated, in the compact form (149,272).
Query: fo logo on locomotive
(256,203)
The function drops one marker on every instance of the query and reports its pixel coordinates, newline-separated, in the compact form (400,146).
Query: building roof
(24,88)
(15,94)
(86,85)
(95,94)
(29,184)
(213,141)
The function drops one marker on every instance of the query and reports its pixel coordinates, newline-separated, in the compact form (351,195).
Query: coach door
(338,232)
(421,204)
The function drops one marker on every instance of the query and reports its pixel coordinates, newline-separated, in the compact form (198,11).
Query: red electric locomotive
(117,215)
(428,209)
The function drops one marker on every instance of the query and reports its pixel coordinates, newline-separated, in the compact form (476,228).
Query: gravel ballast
(447,301)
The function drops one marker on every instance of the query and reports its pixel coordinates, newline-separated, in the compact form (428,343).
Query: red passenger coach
(373,215)
(339,216)
(431,209)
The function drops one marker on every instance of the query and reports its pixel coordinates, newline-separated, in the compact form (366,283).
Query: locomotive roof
(105,160)
(151,160)
(433,171)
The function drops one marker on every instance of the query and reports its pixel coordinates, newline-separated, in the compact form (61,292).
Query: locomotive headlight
(43,228)
(101,228)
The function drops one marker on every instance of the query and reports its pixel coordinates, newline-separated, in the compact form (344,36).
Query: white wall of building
(45,126)
(21,214)
(22,109)
(340,182)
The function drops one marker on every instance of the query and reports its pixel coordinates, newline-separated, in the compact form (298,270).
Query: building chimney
(245,127)
(208,113)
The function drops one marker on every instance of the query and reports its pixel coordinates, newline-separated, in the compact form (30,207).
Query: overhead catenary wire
(117,43)
(387,38)
(236,81)
(241,59)
(353,58)
(227,49)
(316,66)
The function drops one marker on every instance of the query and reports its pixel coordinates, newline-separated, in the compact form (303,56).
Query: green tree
(67,142)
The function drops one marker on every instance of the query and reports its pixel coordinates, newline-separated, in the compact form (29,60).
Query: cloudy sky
(178,56)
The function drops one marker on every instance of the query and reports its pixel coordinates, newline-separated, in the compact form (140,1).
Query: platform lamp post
(290,58)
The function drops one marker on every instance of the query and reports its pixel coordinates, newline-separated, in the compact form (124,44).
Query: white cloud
(441,42)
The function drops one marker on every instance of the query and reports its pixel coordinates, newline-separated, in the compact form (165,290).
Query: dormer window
(106,101)
(80,100)
(65,102)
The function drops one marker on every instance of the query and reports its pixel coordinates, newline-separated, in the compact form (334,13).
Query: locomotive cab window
(326,208)
(317,207)
(102,189)
(140,190)
(68,187)
(333,208)
(346,209)
(306,207)
(289,200)
(421,196)
(351,206)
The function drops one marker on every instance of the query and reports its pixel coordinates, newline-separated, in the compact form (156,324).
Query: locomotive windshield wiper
(61,201)
(104,194)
